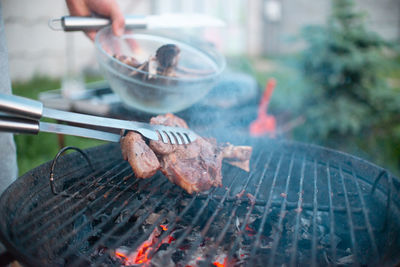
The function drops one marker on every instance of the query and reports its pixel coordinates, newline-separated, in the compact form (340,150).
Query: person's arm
(107,8)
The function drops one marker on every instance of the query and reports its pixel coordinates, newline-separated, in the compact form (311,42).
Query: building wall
(279,36)
(36,49)
(383,16)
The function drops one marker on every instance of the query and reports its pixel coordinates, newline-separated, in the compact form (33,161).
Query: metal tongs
(22,115)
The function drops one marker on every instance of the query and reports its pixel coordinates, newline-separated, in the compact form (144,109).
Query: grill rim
(8,198)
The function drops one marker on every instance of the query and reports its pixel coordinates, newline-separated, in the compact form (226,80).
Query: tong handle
(75,23)
(20,106)
(18,125)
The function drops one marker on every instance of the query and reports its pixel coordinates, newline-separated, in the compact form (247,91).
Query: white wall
(36,49)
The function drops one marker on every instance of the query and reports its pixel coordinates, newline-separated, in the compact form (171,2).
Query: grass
(33,150)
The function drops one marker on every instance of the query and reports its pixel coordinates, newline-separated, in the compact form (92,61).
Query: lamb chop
(195,167)
(139,155)
(163,63)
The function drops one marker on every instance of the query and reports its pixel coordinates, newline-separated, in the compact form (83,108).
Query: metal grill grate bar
(135,227)
(278,233)
(190,228)
(299,211)
(171,227)
(366,217)
(212,250)
(264,216)
(315,204)
(350,218)
(45,226)
(179,241)
(111,231)
(195,219)
(295,212)
(37,213)
(241,231)
(149,231)
(289,204)
(205,229)
(331,216)
(97,214)
(218,209)
(49,235)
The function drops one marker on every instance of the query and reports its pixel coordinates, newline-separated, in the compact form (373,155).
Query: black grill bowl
(300,204)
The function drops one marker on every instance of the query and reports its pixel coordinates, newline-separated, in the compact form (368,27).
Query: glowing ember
(142,254)
(250,231)
(170,239)
(121,256)
(216,263)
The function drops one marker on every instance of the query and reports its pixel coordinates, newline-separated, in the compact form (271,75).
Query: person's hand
(107,8)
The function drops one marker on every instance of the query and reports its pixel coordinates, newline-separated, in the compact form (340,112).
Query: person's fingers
(118,21)
(78,8)
(109,8)
(91,34)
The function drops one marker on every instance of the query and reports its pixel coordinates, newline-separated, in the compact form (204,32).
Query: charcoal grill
(300,204)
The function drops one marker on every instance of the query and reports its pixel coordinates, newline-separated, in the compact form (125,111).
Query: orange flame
(164,227)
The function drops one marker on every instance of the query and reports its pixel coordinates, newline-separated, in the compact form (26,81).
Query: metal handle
(71,23)
(18,125)
(20,106)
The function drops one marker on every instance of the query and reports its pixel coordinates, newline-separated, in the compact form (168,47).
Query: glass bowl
(199,64)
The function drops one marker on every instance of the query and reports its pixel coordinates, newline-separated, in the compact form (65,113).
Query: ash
(227,234)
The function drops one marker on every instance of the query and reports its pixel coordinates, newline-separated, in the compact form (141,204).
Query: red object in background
(264,124)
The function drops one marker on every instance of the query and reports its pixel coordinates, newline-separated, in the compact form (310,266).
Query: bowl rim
(220,65)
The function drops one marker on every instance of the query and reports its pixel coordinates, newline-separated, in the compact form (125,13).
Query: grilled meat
(167,57)
(163,63)
(139,155)
(238,156)
(195,167)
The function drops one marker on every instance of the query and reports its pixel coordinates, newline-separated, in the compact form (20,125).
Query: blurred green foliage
(33,150)
(345,84)
(350,104)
